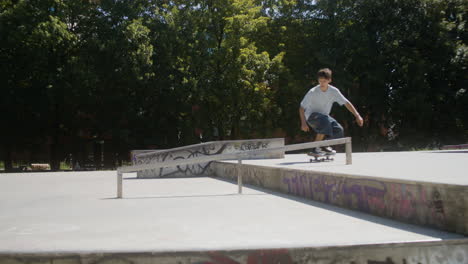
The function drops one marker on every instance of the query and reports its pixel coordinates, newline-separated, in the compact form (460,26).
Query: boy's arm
(304,126)
(353,110)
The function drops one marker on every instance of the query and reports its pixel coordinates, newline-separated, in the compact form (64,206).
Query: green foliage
(167,73)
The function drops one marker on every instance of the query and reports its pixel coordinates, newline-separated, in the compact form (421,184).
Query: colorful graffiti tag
(412,203)
(454,252)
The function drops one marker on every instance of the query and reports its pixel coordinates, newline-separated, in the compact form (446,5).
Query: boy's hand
(359,121)
(304,127)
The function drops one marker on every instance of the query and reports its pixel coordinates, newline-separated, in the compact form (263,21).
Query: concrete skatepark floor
(440,167)
(78,212)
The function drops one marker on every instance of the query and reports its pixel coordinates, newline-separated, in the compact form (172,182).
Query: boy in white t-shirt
(315,111)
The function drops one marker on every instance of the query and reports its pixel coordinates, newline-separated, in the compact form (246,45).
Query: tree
(139,74)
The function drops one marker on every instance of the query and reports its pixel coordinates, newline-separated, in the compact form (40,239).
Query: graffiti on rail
(412,203)
(251,145)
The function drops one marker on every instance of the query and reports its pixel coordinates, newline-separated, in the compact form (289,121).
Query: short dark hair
(324,73)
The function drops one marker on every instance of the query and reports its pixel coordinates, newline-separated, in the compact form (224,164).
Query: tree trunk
(8,162)
(54,160)
(97,154)
(54,155)
(109,155)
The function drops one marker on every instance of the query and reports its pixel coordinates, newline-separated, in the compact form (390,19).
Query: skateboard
(322,157)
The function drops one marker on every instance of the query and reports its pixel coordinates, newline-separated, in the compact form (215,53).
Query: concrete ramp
(422,188)
(144,157)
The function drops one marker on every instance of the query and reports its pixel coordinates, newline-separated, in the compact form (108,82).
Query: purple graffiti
(395,200)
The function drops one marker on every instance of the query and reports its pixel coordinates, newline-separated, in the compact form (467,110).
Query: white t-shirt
(321,102)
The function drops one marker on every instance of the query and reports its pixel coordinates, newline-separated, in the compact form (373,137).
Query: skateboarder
(315,111)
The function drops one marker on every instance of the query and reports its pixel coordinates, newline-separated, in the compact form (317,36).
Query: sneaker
(329,151)
(316,152)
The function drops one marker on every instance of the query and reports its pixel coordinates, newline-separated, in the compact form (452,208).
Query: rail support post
(239,175)
(349,159)
(119,185)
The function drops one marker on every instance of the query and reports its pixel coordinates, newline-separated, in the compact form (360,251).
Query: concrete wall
(446,252)
(204,149)
(434,205)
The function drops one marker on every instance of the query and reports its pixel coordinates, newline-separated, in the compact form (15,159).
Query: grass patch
(65,166)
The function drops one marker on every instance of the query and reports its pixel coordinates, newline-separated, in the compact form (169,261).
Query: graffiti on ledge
(193,152)
(413,203)
(439,254)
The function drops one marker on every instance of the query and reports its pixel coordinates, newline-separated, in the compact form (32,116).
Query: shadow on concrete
(293,163)
(428,231)
(307,162)
(180,196)
(315,164)
(449,151)
(164,178)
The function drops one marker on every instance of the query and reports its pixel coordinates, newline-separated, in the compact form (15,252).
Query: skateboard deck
(322,157)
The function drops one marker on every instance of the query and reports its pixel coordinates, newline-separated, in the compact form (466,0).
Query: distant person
(315,111)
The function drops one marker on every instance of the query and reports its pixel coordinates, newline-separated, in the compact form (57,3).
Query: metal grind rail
(232,156)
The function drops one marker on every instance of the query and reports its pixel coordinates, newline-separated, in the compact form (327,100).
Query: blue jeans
(325,124)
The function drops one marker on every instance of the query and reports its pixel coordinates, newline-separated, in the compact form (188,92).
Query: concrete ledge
(140,157)
(441,206)
(440,252)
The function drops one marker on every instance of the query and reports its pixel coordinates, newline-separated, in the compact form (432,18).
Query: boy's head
(324,76)
(325,73)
